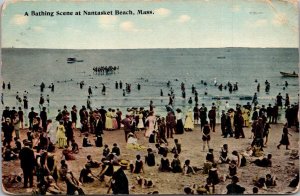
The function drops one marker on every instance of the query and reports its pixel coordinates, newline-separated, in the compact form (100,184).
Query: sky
(174,24)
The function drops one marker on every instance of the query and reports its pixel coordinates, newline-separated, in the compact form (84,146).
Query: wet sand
(169,183)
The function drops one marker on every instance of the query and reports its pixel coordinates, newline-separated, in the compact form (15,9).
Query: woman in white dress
(51,130)
(141,123)
(151,123)
(189,124)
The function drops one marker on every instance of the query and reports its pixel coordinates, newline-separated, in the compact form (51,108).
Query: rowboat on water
(284,74)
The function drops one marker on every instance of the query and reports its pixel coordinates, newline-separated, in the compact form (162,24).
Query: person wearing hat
(179,123)
(7,129)
(74,115)
(27,162)
(234,188)
(5,113)
(31,116)
(127,126)
(60,135)
(189,124)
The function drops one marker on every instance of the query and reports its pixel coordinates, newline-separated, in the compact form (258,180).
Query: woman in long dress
(114,119)
(108,122)
(61,135)
(179,123)
(151,123)
(189,124)
(141,123)
(51,131)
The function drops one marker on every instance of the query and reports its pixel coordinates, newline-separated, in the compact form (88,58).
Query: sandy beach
(169,183)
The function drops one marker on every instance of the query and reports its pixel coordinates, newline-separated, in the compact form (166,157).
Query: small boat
(221,57)
(284,74)
(71,60)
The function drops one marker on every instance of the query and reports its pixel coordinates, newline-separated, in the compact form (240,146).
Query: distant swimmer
(124,93)
(139,86)
(90,91)
(193,88)
(120,84)
(42,86)
(8,86)
(3,85)
(116,85)
(286,84)
(215,81)
(161,92)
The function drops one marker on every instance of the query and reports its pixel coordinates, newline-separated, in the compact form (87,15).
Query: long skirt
(179,127)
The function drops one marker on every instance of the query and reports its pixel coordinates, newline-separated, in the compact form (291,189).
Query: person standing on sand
(212,118)
(127,126)
(285,138)
(27,160)
(90,91)
(196,114)
(171,123)
(150,120)
(189,124)
(179,123)
(206,135)
(279,100)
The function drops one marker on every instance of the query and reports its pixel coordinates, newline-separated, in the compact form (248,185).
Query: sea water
(25,69)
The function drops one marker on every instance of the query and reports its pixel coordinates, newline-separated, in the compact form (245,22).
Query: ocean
(25,69)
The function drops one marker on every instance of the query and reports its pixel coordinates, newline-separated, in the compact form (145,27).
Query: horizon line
(3,48)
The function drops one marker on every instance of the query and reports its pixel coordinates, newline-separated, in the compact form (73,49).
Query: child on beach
(150,158)
(177,148)
(206,135)
(86,142)
(285,138)
(106,151)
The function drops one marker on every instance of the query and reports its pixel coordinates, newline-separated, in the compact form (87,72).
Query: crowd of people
(45,136)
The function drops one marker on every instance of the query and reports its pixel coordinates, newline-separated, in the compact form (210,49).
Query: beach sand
(169,183)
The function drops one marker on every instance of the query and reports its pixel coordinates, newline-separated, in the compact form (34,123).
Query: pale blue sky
(174,24)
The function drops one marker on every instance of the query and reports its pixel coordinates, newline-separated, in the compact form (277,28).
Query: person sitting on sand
(91,163)
(295,181)
(107,170)
(150,158)
(106,151)
(75,148)
(67,154)
(270,180)
(177,148)
(63,170)
(224,154)
(234,188)
(51,186)
(210,156)
(209,186)
(138,167)
(152,137)
(18,145)
(232,169)
(116,149)
(8,154)
(86,174)
(176,164)
(161,149)
(144,182)
(239,158)
(98,141)
(213,174)
(86,142)
(164,164)
(187,169)
(265,162)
